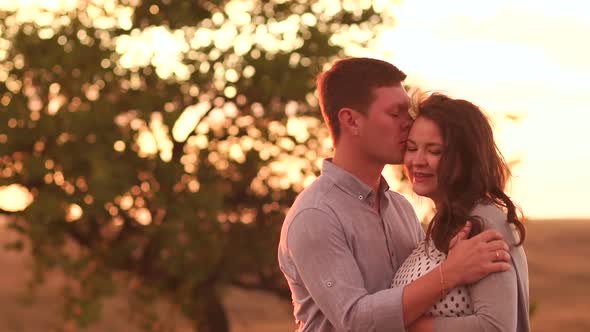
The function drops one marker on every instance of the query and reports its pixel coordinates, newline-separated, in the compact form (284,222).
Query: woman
(451,157)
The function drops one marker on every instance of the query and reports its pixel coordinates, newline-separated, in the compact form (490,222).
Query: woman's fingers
(461,235)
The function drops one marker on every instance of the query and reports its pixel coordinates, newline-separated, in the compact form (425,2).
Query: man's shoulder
(314,196)
(313,200)
(311,210)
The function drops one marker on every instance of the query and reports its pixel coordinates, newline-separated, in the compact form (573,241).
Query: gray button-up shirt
(339,254)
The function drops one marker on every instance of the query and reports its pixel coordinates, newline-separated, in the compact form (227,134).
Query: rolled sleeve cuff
(388,311)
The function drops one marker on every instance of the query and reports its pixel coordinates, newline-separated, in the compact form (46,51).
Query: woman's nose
(419,158)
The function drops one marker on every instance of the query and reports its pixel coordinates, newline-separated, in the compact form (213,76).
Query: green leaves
(87,110)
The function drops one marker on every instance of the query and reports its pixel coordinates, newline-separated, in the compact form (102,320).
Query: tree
(163,142)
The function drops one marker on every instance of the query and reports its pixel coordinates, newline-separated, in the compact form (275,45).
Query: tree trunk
(210,316)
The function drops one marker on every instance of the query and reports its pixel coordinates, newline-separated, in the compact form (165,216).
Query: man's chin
(395,161)
(388,159)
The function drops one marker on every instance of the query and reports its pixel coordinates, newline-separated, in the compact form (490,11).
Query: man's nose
(408,122)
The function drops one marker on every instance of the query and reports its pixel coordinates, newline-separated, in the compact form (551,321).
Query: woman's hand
(470,260)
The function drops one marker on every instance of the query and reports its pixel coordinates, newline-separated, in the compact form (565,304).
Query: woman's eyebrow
(429,144)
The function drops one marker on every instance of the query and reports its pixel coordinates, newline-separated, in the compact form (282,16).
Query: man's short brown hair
(350,83)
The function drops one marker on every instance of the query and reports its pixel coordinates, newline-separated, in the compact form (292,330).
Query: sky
(529,58)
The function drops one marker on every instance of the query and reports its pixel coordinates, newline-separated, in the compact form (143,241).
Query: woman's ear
(349,121)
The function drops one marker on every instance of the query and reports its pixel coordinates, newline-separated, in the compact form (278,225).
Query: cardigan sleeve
(496,297)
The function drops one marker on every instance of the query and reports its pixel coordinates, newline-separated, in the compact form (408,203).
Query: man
(346,234)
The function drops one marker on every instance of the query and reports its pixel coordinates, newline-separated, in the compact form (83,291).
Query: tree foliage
(162,142)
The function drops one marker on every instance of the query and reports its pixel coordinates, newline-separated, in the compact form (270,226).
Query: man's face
(385,126)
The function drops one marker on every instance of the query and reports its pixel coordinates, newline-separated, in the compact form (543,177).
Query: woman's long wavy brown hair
(472,169)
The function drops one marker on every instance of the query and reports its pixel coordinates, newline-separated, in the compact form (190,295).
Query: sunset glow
(524,58)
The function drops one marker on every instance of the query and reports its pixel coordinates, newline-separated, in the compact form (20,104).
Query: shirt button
(360,197)
(329,284)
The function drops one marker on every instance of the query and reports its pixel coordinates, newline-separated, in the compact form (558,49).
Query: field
(559,263)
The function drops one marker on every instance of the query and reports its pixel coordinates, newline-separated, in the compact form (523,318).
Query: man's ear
(349,120)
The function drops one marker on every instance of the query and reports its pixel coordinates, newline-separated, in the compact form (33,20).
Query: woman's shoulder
(493,217)
(489,211)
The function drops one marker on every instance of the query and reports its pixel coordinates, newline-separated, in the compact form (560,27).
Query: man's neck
(366,171)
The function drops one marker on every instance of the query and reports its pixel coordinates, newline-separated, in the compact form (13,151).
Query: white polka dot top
(457,302)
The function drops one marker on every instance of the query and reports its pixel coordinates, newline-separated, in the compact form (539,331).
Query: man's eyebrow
(404,104)
(396,107)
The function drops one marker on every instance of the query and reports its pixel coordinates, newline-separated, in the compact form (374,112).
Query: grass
(559,268)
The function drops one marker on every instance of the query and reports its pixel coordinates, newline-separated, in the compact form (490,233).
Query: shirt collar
(350,183)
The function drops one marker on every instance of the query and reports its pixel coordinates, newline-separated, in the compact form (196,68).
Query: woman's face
(424,149)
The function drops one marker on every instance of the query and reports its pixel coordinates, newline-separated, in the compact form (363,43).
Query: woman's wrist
(449,275)
(444,289)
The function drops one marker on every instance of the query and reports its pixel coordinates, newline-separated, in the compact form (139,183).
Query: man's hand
(470,260)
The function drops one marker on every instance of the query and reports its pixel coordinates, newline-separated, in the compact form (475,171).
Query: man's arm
(326,266)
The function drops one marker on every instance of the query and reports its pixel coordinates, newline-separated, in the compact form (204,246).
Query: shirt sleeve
(495,298)
(327,267)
